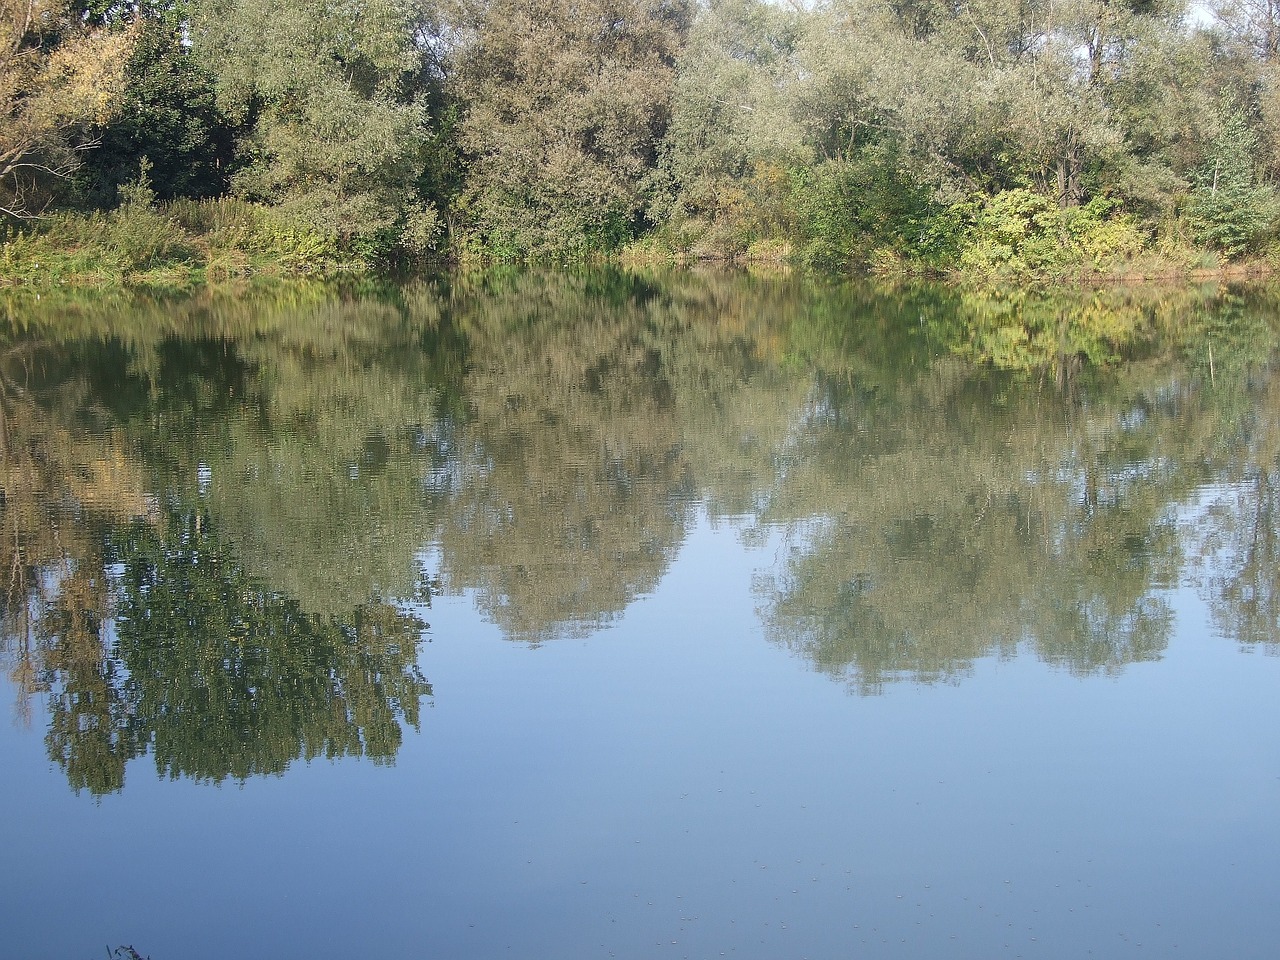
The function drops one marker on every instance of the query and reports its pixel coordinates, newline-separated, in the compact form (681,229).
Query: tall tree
(339,93)
(1253,23)
(565,104)
(732,125)
(1228,209)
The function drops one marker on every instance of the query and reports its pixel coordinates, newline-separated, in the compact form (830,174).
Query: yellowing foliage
(51,94)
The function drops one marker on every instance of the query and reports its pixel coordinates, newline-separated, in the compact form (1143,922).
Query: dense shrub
(1020,232)
(859,210)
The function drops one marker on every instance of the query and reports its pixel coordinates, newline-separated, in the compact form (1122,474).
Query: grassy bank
(176,245)
(1015,238)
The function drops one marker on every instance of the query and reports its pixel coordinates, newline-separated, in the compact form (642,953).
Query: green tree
(732,136)
(1228,209)
(869,205)
(339,98)
(168,115)
(1253,23)
(564,106)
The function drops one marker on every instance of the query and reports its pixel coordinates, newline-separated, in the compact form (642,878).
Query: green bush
(230,226)
(141,236)
(100,247)
(723,218)
(1228,210)
(1020,232)
(868,210)
(140,242)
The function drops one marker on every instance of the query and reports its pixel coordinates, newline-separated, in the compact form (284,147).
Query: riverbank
(1192,266)
(185,244)
(179,245)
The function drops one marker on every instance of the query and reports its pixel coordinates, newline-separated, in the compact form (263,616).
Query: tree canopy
(846,133)
(59,78)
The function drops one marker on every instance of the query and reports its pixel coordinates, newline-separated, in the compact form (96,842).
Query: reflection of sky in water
(675,786)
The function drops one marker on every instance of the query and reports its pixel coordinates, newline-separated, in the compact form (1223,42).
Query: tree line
(993,136)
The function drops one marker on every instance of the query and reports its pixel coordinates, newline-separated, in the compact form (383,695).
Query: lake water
(597,615)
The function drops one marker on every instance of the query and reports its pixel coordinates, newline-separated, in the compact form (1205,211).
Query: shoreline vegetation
(1053,333)
(178,142)
(183,244)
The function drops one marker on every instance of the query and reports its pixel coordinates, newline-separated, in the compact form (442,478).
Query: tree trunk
(1070,191)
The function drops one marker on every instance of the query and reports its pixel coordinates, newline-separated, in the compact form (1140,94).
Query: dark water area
(610,615)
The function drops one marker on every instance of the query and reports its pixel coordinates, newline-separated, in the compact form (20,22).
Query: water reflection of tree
(213,674)
(1235,536)
(602,409)
(1243,584)
(923,594)
(961,516)
(964,514)
(226,678)
(309,418)
(143,630)
(551,436)
(66,475)
(575,491)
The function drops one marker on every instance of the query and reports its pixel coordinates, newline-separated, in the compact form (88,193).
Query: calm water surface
(595,615)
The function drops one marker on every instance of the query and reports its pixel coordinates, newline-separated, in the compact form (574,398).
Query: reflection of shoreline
(549,438)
